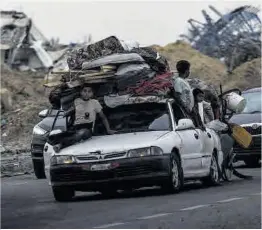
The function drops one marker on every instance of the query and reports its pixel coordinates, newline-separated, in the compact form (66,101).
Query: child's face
(200,97)
(86,93)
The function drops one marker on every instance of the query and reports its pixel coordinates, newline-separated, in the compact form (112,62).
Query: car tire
(252,162)
(39,169)
(175,180)
(63,194)
(214,175)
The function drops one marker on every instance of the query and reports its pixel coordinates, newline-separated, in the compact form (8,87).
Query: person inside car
(202,107)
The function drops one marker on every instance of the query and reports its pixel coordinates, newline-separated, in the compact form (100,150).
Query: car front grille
(79,174)
(98,157)
(255,146)
(252,131)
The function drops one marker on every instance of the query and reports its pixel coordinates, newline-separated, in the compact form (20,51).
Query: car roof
(253,90)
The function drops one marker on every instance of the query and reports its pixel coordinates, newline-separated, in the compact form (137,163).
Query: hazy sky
(149,22)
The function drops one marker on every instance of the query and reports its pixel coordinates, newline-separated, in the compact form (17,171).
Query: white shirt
(182,86)
(89,108)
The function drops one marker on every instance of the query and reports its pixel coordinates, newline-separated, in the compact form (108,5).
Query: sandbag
(217,126)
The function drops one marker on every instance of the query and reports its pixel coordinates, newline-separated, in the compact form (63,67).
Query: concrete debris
(24,47)
(13,165)
(6,100)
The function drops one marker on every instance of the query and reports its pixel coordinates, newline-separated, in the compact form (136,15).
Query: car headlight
(39,131)
(150,151)
(59,160)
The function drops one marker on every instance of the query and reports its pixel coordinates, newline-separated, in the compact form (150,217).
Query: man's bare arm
(105,122)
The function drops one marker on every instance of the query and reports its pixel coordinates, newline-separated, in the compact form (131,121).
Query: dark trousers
(76,134)
(197,119)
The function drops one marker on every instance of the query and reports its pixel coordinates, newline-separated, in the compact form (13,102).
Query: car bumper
(253,150)
(129,172)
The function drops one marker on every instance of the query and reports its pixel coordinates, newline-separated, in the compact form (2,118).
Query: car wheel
(214,174)
(252,162)
(176,180)
(39,169)
(63,194)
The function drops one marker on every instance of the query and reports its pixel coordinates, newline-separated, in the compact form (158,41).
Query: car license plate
(100,167)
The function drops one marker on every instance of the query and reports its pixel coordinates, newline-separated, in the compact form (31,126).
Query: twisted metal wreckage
(235,38)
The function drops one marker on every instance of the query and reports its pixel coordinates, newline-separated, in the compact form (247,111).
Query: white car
(156,144)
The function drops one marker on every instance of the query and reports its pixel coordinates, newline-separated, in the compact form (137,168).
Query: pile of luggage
(113,67)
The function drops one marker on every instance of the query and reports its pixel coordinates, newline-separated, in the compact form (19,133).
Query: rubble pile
(25,48)
(28,98)
(247,75)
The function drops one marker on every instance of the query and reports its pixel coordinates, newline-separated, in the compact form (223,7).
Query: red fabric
(156,85)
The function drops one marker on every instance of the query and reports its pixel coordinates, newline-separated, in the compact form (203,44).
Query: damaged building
(234,38)
(24,47)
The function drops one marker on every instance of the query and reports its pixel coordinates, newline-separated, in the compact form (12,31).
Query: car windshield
(136,118)
(253,102)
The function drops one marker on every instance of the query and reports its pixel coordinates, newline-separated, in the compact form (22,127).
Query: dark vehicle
(250,119)
(39,138)
(42,129)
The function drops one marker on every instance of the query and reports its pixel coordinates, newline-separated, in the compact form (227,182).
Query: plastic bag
(217,125)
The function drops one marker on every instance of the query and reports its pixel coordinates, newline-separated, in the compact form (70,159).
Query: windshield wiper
(132,130)
(255,112)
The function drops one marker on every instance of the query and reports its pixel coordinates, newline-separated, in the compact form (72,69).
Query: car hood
(114,143)
(245,118)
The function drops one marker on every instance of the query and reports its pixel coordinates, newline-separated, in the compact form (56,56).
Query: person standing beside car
(182,90)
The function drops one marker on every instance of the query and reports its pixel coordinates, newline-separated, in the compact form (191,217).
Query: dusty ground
(29,96)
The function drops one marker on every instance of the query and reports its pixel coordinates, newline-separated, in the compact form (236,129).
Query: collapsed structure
(235,38)
(24,47)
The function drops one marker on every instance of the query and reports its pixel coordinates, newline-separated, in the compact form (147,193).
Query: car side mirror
(185,124)
(43,113)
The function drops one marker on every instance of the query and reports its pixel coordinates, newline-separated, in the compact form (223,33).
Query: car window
(253,102)
(135,118)
(178,112)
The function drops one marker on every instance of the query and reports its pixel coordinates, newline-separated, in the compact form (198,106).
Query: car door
(207,148)
(192,145)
